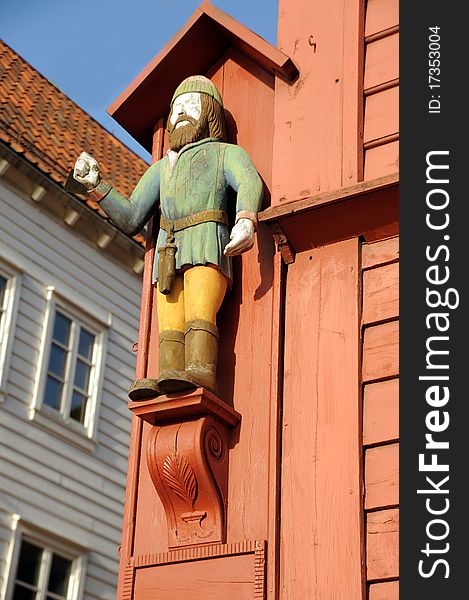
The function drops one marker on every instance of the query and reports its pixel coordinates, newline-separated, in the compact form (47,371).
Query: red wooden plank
(380,252)
(353,50)
(248,95)
(381,15)
(382,544)
(382,476)
(374,188)
(381,114)
(381,294)
(382,61)
(381,412)
(388,590)
(380,232)
(321,484)
(382,160)
(272,554)
(326,137)
(222,578)
(246,315)
(381,351)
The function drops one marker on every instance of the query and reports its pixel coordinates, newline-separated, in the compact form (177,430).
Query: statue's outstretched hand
(86,171)
(242,238)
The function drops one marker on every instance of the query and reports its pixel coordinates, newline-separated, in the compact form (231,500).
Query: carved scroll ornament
(187,463)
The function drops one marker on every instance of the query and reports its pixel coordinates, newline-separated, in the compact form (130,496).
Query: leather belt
(205,216)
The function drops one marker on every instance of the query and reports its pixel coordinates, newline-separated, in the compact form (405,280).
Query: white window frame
(50,544)
(8,321)
(84,435)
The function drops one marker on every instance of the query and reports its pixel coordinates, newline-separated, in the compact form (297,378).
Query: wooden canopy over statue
(202,43)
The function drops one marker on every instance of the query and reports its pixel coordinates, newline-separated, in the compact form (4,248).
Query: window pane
(22,593)
(85,346)
(82,375)
(57,360)
(59,575)
(78,408)
(3,287)
(29,563)
(53,393)
(61,329)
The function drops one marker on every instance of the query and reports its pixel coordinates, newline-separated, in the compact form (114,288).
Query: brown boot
(171,369)
(201,339)
(172,377)
(144,389)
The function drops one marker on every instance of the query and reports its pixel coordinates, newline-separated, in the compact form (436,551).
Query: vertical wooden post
(353,100)
(275,445)
(321,537)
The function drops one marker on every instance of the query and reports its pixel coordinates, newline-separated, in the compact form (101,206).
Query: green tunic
(197,181)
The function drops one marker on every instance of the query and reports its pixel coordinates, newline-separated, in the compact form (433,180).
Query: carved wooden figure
(193,265)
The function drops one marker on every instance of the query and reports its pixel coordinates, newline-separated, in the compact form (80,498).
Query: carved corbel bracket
(187,457)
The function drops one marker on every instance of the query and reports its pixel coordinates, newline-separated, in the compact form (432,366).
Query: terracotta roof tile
(41,123)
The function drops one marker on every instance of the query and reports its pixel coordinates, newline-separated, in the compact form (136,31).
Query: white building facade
(69,309)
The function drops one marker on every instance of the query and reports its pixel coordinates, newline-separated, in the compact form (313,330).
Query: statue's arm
(129,214)
(242,176)
(132,214)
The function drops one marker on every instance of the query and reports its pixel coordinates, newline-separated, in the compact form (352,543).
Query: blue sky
(92,49)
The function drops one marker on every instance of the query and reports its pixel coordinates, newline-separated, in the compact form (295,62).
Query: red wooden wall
(308,350)
(380,370)
(335,127)
(381,88)
(321,485)
(318,120)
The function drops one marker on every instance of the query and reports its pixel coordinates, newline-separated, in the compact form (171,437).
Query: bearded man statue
(192,266)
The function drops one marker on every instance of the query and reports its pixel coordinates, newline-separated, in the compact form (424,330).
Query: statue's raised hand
(87,171)
(242,238)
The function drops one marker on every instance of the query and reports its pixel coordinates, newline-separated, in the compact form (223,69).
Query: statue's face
(187,124)
(185,105)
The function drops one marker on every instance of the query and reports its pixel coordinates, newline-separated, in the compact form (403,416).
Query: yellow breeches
(197,294)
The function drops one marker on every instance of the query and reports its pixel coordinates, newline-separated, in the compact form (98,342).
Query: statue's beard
(193,131)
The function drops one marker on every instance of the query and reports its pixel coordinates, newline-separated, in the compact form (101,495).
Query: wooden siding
(381,351)
(68,491)
(321,481)
(381,294)
(318,118)
(381,88)
(382,544)
(380,371)
(388,590)
(382,476)
(381,115)
(381,412)
(381,15)
(349,73)
(380,253)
